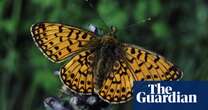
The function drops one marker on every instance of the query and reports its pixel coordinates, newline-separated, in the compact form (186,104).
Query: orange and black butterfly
(100,64)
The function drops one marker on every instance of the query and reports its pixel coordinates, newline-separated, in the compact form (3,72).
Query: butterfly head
(110,37)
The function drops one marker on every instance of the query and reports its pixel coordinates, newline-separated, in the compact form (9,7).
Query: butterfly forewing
(58,41)
(147,65)
(77,73)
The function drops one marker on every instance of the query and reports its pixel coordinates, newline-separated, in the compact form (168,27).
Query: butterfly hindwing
(147,65)
(77,73)
(58,41)
(117,88)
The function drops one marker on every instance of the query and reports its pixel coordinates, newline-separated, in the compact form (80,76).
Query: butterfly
(101,65)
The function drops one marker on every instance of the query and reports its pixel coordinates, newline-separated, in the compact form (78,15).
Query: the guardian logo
(164,94)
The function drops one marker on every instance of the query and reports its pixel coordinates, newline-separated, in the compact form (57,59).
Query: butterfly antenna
(137,23)
(99,16)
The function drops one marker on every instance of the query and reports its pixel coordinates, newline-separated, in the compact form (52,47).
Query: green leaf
(47,80)
(10,62)
(160,30)
(155,7)
(140,10)
(37,59)
(112,14)
(45,3)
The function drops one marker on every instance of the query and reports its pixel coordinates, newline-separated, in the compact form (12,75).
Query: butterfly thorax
(108,39)
(108,52)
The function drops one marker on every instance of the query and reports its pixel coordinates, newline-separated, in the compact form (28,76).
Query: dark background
(177,30)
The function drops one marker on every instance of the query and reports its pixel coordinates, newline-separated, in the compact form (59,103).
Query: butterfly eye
(96,30)
(93,28)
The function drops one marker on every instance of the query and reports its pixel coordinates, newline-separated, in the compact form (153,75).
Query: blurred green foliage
(177,30)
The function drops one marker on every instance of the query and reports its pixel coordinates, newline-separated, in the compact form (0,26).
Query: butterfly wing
(77,73)
(146,65)
(136,64)
(58,41)
(117,88)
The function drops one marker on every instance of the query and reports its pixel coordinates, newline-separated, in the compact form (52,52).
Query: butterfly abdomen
(107,54)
